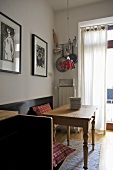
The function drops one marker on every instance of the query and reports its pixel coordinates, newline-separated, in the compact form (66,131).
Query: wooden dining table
(82,117)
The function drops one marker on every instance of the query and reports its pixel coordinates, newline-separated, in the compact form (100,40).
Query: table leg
(54,132)
(85,149)
(68,135)
(93,132)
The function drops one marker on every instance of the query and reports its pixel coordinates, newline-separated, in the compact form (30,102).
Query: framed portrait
(10,45)
(39,56)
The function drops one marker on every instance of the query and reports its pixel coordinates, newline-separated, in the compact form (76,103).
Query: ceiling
(58,5)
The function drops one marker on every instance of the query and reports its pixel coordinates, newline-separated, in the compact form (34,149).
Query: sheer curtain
(93,72)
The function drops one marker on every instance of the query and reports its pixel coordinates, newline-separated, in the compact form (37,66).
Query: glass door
(109,107)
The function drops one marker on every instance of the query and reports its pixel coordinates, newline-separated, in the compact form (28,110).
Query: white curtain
(93,72)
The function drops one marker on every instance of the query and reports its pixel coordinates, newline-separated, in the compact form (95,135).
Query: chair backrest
(26,142)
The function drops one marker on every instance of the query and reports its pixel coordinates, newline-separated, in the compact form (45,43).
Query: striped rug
(75,161)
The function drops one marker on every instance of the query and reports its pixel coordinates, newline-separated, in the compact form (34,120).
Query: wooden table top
(85,112)
(4,114)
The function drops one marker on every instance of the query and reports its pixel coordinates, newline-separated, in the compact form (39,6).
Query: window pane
(110,35)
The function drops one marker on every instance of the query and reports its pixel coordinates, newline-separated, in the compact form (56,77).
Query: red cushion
(41,109)
(60,152)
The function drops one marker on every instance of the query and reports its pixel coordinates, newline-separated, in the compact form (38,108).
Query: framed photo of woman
(10,45)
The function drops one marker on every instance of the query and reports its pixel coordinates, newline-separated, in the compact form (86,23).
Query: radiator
(65,93)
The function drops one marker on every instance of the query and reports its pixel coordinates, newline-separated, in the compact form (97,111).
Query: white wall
(76,15)
(35,17)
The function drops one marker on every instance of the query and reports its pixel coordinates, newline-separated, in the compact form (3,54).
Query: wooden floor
(106,157)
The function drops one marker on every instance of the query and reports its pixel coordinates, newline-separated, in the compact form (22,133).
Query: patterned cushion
(41,109)
(60,152)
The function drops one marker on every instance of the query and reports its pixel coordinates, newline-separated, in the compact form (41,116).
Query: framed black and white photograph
(39,56)
(10,45)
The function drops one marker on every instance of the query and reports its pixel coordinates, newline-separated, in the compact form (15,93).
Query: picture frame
(39,56)
(10,45)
